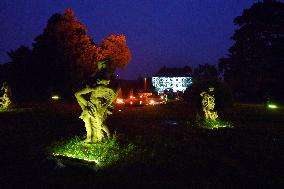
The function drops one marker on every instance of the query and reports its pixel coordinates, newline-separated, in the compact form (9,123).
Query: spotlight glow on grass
(272,106)
(103,154)
(55,97)
(213,124)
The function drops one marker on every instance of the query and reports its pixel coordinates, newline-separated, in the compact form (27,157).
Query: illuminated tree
(63,59)
(115,49)
(65,54)
(255,64)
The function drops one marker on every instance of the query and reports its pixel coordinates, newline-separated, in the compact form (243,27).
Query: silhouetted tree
(206,76)
(20,74)
(255,63)
(205,72)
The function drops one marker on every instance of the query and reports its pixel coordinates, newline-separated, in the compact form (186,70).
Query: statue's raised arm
(79,96)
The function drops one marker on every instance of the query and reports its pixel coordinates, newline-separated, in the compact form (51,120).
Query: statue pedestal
(65,161)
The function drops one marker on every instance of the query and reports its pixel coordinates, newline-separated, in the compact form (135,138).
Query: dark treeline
(254,68)
(253,71)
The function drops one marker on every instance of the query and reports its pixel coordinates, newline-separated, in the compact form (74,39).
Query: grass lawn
(172,152)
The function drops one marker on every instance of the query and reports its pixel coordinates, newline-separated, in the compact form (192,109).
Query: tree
(63,59)
(255,63)
(64,53)
(206,76)
(205,72)
(115,49)
(20,73)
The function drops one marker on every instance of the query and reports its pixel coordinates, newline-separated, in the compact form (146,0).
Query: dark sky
(173,33)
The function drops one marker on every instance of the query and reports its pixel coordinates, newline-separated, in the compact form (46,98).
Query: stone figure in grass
(96,102)
(208,104)
(5,101)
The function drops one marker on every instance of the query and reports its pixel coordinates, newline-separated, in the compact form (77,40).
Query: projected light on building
(171,83)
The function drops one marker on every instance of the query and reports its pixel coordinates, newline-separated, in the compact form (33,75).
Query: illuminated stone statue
(5,100)
(96,109)
(96,103)
(208,104)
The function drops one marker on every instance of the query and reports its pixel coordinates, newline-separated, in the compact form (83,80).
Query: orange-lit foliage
(69,44)
(67,53)
(115,49)
(79,46)
(63,59)
(65,44)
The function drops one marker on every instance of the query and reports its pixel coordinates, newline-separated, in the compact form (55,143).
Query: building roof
(174,72)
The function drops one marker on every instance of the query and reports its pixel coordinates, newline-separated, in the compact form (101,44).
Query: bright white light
(174,83)
(55,97)
(152,102)
(272,106)
(119,101)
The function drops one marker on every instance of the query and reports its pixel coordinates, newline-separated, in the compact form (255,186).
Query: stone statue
(208,104)
(5,101)
(96,108)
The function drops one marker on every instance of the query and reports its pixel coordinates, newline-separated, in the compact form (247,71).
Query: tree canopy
(64,53)
(255,63)
(205,72)
(64,57)
(115,49)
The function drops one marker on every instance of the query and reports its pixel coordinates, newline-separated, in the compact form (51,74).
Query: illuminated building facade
(172,79)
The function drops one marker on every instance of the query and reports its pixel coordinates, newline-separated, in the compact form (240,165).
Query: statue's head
(102,65)
(4,86)
(104,71)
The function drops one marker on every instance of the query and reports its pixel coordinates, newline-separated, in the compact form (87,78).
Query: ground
(174,153)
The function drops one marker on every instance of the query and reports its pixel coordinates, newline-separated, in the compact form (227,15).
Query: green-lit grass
(210,123)
(165,155)
(14,110)
(213,124)
(104,154)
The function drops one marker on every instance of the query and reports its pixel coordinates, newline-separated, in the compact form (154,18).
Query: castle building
(172,79)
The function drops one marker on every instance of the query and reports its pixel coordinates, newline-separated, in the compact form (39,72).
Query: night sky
(171,33)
